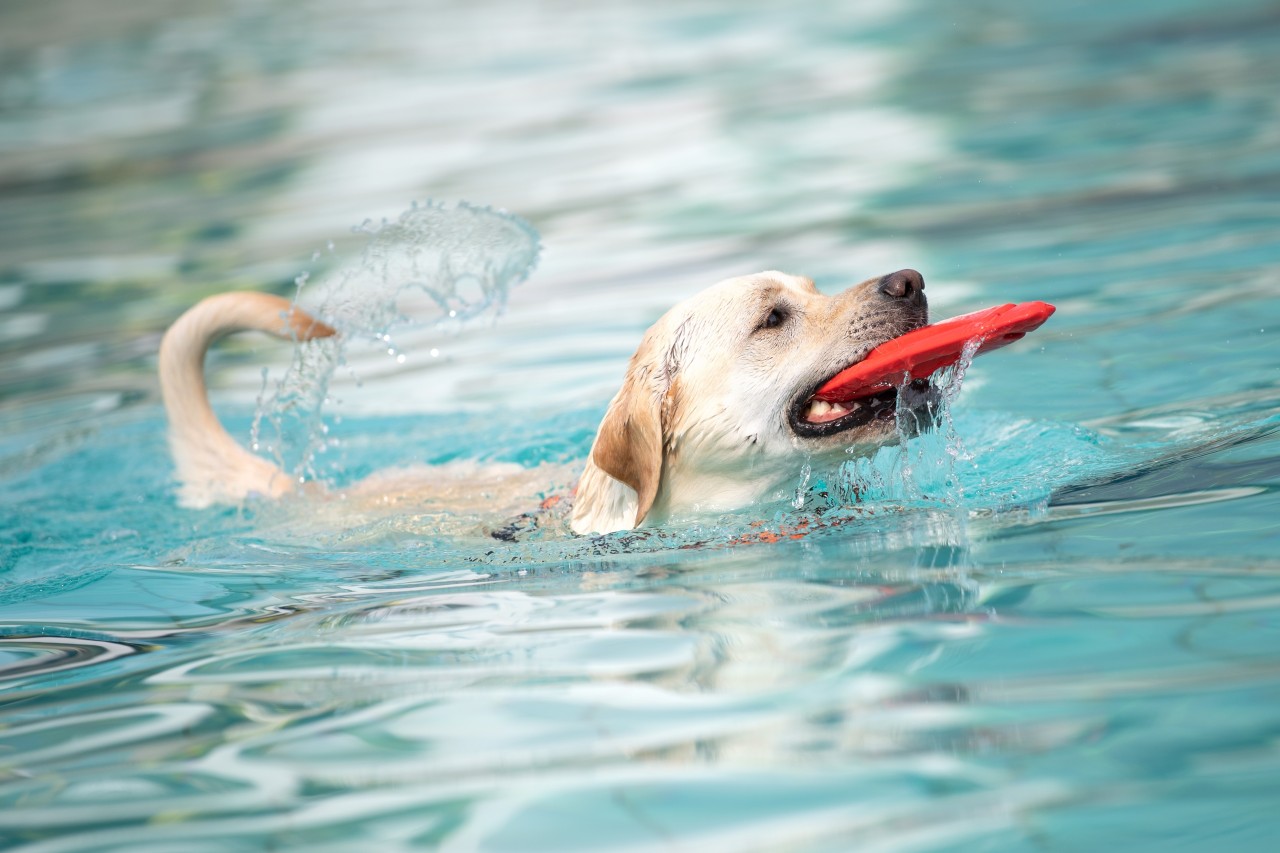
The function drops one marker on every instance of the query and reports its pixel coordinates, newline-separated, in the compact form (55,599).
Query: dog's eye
(776,318)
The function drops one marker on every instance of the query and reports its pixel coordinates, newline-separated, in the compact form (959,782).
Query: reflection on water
(1049,624)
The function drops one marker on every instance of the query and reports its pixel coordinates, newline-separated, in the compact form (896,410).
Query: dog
(716,411)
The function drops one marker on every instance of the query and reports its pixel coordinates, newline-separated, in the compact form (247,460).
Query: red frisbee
(931,348)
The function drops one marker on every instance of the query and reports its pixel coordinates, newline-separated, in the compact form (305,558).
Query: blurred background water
(1054,625)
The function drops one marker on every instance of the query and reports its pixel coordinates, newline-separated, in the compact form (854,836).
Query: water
(1053,625)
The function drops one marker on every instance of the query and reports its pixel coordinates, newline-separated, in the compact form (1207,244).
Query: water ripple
(22,656)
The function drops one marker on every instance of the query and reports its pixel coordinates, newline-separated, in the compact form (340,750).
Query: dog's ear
(618,486)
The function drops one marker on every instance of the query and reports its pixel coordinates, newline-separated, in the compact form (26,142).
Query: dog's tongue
(930,348)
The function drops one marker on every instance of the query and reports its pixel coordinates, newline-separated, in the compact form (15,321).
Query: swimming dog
(716,411)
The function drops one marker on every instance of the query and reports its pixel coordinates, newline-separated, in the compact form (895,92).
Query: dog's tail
(211,466)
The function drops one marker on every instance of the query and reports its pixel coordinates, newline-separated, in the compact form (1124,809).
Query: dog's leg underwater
(211,467)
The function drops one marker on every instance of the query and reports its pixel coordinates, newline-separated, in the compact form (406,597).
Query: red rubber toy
(930,348)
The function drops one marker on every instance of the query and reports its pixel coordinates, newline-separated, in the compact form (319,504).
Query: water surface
(1052,625)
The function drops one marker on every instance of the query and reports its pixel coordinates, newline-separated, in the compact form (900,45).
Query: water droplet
(482,242)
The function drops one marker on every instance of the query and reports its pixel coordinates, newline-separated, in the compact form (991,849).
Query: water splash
(922,467)
(438,265)
(463,259)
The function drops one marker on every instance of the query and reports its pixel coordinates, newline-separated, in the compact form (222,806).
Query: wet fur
(701,422)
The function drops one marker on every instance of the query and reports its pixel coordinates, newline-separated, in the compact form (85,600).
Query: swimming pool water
(1053,624)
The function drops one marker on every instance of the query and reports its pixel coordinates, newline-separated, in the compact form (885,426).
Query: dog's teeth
(821,412)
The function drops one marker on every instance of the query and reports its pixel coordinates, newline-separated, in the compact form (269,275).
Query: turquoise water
(1053,624)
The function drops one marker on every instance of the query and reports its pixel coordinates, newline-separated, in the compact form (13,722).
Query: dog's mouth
(814,418)
(810,417)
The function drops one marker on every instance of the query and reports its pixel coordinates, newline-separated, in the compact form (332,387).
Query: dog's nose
(904,284)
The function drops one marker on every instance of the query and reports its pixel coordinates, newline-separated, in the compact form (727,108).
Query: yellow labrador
(716,411)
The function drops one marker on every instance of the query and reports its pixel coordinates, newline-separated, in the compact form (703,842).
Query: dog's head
(718,409)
